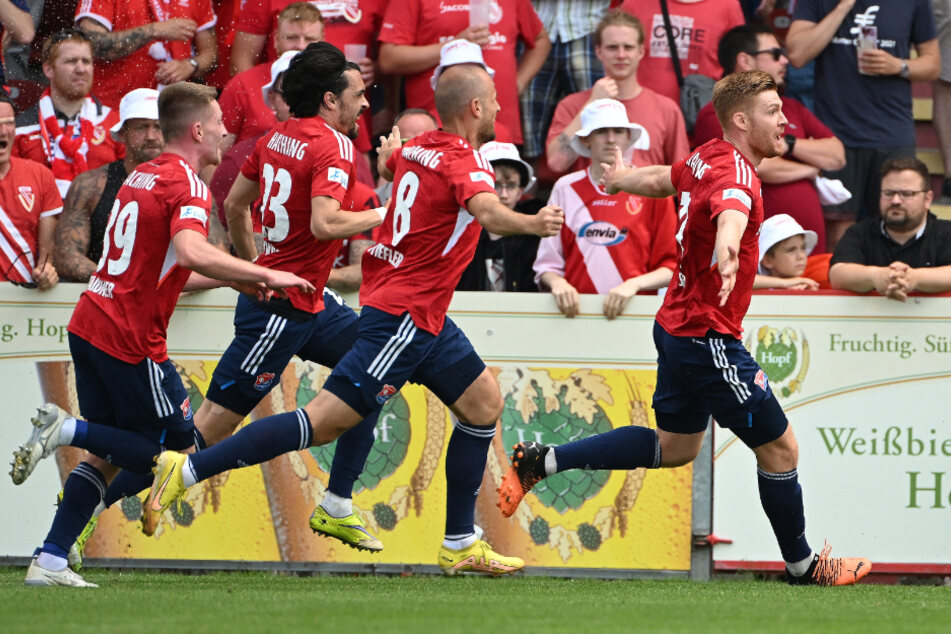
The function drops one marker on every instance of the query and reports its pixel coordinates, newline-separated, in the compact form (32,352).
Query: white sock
(336,506)
(459,544)
(66,433)
(799,568)
(51,562)
(188,474)
(551,464)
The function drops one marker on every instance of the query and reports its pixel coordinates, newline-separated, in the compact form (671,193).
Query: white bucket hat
(459,52)
(495,151)
(278,66)
(605,113)
(141,103)
(777,228)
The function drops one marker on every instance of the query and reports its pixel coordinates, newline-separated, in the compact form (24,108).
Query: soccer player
(442,184)
(702,367)
(133,399)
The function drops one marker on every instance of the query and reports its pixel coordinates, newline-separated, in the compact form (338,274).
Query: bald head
(458,85)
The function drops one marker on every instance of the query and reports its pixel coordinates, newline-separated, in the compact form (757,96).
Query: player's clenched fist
(549,220)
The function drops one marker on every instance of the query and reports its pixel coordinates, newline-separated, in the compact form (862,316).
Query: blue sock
(121,447)
(465,464)
(350,456)
(84,489)
(126,484)
(781,497)
(628,447)
(258,442)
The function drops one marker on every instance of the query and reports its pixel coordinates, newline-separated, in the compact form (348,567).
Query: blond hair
(300,12)
(182,104)
(738,92)
(618,18)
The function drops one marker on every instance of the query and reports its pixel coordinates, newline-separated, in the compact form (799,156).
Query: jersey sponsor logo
(697,166)
(604,202)
(481,177)
(98,135)
(288,146)
(387,254)
(740,195)
(453,8)
(385,393)
(139,180)
(337,175)
(419,154)
(26,197)
(263,381)
(100,287)
(186,408)
(602,233)
(191,212)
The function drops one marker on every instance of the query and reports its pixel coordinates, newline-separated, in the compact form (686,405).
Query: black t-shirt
(867,243)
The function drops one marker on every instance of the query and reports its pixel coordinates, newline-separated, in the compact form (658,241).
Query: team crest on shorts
(783,355)
(186,408)
(263,381)
(385,393)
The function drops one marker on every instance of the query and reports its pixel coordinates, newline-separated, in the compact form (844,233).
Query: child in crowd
(785,260)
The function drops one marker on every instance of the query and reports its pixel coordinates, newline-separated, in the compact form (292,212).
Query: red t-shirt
(697,27)
(666,137)
(130,298)
(114,79)
(296,161)
(422,22)
(716,177)
(27,193)
(428,237)
(242,105)
(606,239)
(797,198)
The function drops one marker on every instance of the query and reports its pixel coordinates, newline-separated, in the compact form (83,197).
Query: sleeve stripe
(743,174)
(198,189)
(345,145)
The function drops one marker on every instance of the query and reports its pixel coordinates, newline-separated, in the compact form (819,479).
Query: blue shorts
(265,342)
(713,375)
(390,350)
(145,397)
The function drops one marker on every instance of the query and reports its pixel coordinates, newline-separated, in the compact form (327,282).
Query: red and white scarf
(66,149)
(162,11)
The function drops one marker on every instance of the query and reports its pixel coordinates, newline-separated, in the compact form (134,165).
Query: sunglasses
(776,52)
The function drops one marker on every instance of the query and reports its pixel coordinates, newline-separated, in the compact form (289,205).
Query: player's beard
(486,133)
(354,131)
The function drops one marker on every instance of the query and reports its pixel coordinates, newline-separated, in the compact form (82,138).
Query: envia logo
(782,357)
(602,233)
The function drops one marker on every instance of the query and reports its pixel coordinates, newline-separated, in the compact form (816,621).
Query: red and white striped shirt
(27,194)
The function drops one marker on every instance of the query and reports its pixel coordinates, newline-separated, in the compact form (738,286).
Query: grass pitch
(265,602)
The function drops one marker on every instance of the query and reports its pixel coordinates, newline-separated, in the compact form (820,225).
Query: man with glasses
(906,249)
(788,180)
(29,204)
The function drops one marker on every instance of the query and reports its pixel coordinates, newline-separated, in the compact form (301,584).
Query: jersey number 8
(405,197)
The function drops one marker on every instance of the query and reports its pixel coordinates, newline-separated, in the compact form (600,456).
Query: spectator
(412,38)
(504,263)
(619,45)
(942,93)
(68,130)
(788,180)
(29,204)
(697,27)
(147,44)
(868,106)
(245,113)
(89,201)
(906,249)
(571,66)
(16,24)
(410,123)
(785,260)
(615,245)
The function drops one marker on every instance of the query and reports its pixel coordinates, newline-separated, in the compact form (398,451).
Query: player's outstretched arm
(329,222)
(388,145)
(238,213)
(499,219)
(730,227)
(652,181)
(193,252)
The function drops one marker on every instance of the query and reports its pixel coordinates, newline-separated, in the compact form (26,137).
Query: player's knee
(780,455)
(677,450)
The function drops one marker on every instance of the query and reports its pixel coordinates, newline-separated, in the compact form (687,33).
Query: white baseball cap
(278,66)
(777,228)
(141,103)
(604,113)
(495,151)
(459,52)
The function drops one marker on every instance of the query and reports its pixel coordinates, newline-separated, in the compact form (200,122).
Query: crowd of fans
(576,80)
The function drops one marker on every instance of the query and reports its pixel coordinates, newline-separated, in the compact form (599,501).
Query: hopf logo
(263,381)
(385,393)
(784,357)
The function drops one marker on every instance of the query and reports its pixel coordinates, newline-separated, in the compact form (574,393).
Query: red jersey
(242,105)
(113,79)
(606,239)
(697,28)
(294,162)
(130,298)
(422,22)
(716,177)
(428,237)
(27,193)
